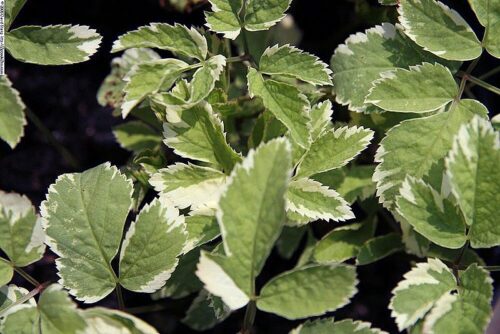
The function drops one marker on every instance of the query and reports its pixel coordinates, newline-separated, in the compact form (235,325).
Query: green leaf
(150,250)
(351,183)
(248,231)
(431,214)
(104,320)
(334,149)
(205,312)
(224,18)
(148,78)
(439,29)
(343,243)
(472,168)
(355,67)
(290,61)
(199,135)
(334,286)
(488,14)
(262,15)
(202,227)
(327,326)
(12,9)
(420,290)
(421,89)
(468,311)
(205,77)
(311,199)
(321,118)
(136,136)
(83,217)
(430,290)
(413,146)
(9,295)
(6,272)
(378,248)
(21,234)
(183,281)
(111,90)
(12,118)
(163,36)
(189,185)
(285,102)
(55,313)
(52,45)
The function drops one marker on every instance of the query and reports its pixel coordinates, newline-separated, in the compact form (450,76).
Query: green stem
(492,268)
(489,73)
(26,276)
(27,297)
(238,59)
(119,297)
(249,317)
(481,83)
(63,151)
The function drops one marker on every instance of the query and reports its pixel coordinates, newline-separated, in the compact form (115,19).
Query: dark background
(64,97)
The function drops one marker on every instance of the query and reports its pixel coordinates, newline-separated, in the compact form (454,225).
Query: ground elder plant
(237,155)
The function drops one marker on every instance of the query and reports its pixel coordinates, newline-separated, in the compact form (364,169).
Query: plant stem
(63,151)
(26,276)
(119,297)
(483,84)
(238,59)
(492,268)
(249,317)
(27,297)
(489,73)
(456,263)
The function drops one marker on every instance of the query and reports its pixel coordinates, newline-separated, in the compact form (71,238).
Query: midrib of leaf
(259,221)
(106,260)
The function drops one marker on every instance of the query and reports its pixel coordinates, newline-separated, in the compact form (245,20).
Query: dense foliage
(236,151)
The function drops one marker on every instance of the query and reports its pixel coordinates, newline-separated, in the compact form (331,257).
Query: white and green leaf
(177,38)
(137,136)
(21,234)
(285,102)
(262,15)
(224,17)
(439,29)
(12,118)
(290,61)
(188,185)
(104,320)
(334,286)
(52,45)
(152,245)
(421,89)
(488,14)
(472,168)
(328,326)
(83,217)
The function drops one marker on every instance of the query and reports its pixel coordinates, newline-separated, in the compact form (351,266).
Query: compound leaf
(472,168)
(355,68)
(188,185)
(52,45)
(248,231)
(83,217)
(334,287)
(176,38)
(421,89)
(439,29)
(290,61)
(150,250)
(311,199)
(334,149)
(430,214)
(413,146)
(285,102)
(12,118)
(21,234)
